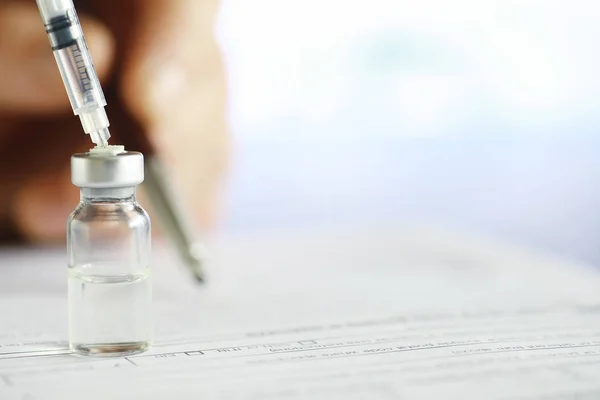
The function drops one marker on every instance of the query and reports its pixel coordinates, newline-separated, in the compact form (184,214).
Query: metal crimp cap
(108,167)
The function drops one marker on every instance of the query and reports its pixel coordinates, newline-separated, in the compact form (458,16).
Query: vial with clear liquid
(108,246)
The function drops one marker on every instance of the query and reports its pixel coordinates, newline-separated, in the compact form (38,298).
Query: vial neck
(101,195)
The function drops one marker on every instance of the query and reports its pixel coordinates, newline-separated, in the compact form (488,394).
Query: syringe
(76,67)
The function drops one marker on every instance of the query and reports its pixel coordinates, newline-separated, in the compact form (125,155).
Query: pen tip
(195,262)
(199,277)
(197,270)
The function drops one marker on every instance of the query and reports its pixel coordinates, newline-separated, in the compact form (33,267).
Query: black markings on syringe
(84,78)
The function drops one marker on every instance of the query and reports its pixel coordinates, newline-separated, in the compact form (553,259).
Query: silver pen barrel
(167,209)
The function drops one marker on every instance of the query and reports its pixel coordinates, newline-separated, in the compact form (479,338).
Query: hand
(163,57)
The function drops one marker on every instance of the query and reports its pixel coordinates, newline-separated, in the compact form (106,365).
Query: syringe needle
(100,138)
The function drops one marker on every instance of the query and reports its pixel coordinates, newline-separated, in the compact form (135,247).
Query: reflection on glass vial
(108,245)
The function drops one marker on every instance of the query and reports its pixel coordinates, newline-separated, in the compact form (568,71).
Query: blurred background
(481,114)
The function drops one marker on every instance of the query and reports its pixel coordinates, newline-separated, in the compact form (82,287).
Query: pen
(162,196)
(88,102)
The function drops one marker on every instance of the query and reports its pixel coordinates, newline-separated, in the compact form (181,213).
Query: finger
(29,78)
(174,84)
(42,205)
(34,171)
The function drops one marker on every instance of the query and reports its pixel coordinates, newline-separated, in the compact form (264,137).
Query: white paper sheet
(369,314)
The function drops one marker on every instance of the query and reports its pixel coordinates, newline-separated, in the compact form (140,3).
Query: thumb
(41,206)
(29,78)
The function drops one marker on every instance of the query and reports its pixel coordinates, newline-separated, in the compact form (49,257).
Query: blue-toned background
(473,112)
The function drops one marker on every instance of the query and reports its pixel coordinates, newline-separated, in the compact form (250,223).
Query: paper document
(374,314)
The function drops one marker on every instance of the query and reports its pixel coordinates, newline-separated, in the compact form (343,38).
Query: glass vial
(108,246)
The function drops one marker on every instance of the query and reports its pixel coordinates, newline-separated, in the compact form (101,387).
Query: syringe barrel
(75,64)
(79,75)
(72,55)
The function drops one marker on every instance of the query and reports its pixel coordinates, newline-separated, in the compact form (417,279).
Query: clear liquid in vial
(109,315)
